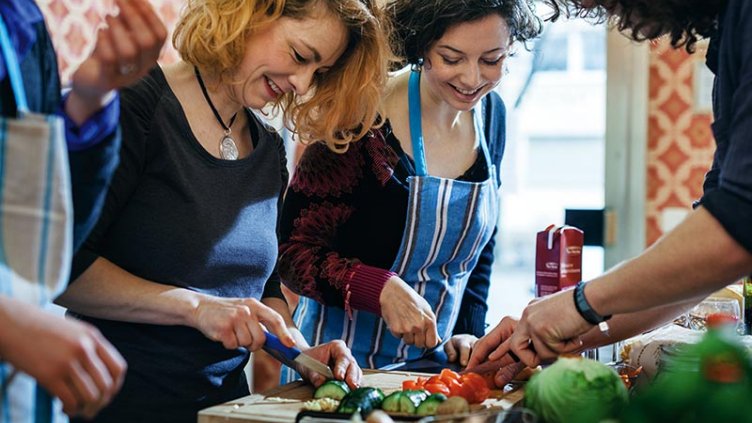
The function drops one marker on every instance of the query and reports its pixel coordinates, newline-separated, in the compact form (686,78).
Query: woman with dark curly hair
(711,248)
(392,241)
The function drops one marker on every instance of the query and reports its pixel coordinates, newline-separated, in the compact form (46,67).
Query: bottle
(747,292)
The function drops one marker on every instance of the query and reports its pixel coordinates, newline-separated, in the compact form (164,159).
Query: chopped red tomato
(409,385)
(434,379)
(455,388)
(477,385)
(489,378)
(437,388)
(471,386)
(448,374)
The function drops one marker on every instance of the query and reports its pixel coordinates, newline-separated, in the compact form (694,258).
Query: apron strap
(416,130)
(482,127)
(14,70)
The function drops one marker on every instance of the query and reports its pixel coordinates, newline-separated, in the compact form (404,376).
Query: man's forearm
(692,261)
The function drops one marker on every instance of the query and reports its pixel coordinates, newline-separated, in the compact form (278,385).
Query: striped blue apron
(36,228)
(448,224)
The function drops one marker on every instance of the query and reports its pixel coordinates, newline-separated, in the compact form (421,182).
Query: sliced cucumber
(429,405)
(362,400)
(334,389)
(411,400)
(391,403)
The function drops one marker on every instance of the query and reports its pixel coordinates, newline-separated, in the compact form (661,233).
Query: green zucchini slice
(334,389)
(429,405)
(362,400)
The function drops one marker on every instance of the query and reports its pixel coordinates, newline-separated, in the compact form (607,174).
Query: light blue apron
(36,227)
(448,224)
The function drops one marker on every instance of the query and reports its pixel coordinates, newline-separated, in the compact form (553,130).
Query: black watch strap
(583,307)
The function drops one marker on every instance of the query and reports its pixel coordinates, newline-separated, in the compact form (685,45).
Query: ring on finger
(127,69)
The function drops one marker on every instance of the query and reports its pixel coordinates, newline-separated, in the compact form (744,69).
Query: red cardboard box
(558,259)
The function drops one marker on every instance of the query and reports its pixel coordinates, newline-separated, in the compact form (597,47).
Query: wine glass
(697,316)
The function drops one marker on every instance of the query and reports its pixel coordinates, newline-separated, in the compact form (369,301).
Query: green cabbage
(576,390)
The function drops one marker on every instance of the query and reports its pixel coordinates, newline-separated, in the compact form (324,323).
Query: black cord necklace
(228,150)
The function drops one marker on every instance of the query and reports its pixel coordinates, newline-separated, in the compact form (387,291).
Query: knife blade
(293,357)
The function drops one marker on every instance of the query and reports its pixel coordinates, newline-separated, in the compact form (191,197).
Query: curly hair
(343,103)
(418,24)
(685,21)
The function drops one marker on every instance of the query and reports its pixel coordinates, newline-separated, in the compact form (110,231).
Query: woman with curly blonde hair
(179,272)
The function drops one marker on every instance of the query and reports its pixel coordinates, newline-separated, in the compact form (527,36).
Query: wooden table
(283,403)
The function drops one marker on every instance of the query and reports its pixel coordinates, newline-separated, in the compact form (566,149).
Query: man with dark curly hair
(711,248)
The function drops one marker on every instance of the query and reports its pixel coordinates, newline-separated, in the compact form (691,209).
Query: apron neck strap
(416,129)
(13,69)
(482,120)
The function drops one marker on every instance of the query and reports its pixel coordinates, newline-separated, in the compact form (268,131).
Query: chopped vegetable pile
(445,393)
(471,386)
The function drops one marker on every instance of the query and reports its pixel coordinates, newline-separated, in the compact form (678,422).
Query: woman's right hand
(237,322)
(408,315)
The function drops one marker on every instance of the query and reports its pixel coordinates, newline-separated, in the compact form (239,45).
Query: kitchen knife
(293,357)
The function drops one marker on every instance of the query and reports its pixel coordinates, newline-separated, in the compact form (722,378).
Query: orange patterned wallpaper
(73,25)
(680,143)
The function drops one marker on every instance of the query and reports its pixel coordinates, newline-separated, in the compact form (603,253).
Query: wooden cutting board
(283,403)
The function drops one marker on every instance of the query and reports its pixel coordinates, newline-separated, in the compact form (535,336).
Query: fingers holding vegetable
(548,327)
(459,347)
(344,366)
(490,345)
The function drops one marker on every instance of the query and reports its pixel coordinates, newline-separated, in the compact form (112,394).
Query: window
(594,51)
(553,53)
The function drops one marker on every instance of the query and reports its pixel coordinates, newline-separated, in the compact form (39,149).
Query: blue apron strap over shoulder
(14,70)
(416,129)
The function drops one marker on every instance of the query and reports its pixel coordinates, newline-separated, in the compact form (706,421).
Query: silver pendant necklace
(228,150)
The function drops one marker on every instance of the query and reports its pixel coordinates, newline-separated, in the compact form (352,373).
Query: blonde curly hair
(343,103)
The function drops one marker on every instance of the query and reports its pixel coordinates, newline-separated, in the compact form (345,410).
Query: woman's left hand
(459,347)
(339,358)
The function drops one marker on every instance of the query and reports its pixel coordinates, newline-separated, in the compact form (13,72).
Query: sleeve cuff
(365,287)
(733,213)
(81,261)
(98,127)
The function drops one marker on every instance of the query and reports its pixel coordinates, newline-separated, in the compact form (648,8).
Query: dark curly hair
(685,21)
(418,24)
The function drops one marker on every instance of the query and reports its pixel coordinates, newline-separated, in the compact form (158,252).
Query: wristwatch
(587,312)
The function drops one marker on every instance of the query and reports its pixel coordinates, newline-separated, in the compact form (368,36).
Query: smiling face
(286,55)
(467,61)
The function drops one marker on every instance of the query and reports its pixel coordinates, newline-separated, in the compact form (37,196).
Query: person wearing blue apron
(57,156)
(390,243)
